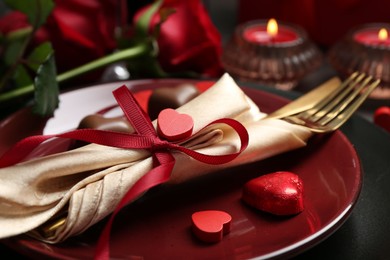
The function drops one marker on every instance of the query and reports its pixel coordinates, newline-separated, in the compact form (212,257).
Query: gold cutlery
(307,100)
(334,109)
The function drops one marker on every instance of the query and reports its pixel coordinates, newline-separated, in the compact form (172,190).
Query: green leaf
(39,55)
(142,25)
(15,35)
(22,77)
(37,11)
(12,50)
(14,47)
(46,88)
(12,53)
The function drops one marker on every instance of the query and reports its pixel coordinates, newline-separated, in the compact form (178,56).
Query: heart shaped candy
(279,193)
(210,225)
(174,126)
(382,117)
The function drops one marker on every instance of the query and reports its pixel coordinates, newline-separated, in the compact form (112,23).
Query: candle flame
(382,35)
(272,27)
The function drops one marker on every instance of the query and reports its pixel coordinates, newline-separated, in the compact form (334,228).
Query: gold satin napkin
(86,184)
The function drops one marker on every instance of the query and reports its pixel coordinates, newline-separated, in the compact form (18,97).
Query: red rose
(188,39)
(80,31)
(13,21)
(83,31)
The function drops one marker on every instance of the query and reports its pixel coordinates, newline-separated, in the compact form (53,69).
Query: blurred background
(325,21)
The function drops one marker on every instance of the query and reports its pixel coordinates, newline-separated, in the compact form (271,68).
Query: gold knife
(308,100)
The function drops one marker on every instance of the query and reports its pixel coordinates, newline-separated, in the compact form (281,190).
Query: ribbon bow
(145,137)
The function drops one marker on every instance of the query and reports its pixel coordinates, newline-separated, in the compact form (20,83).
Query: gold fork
(338,106)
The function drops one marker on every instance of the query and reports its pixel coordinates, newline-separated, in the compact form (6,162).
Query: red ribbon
(144,138)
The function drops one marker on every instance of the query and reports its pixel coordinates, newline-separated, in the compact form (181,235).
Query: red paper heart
(174,126)
(279,193)
(210,225)
(382,117)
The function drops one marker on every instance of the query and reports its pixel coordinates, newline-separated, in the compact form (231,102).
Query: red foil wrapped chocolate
(278,193)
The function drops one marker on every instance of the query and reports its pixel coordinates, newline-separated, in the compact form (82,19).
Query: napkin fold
(84,185)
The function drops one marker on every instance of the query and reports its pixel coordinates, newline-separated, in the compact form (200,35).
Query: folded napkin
(86,184)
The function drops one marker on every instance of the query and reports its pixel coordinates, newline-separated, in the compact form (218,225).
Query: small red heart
(279,193)
(382,117)
(210,225)
(174,126)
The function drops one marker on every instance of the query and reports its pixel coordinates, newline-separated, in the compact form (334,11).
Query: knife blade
(307,100)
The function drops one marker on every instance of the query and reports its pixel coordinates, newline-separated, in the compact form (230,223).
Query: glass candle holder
(366,49)
(279,60)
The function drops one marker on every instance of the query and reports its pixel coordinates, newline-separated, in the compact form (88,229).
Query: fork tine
(341,104)
(320,109)
(347,111)
(336,108)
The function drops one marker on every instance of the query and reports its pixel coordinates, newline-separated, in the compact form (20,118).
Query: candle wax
(259,34)
(370,37)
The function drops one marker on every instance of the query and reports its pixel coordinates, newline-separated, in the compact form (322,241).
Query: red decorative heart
(382,117)
(210,225)
(279,193)
(174,126)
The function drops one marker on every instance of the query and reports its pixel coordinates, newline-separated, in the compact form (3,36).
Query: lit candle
(270,33)
(365,48)
(270,53)
(373,36)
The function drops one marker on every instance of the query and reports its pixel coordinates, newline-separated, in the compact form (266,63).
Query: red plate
(158,225)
